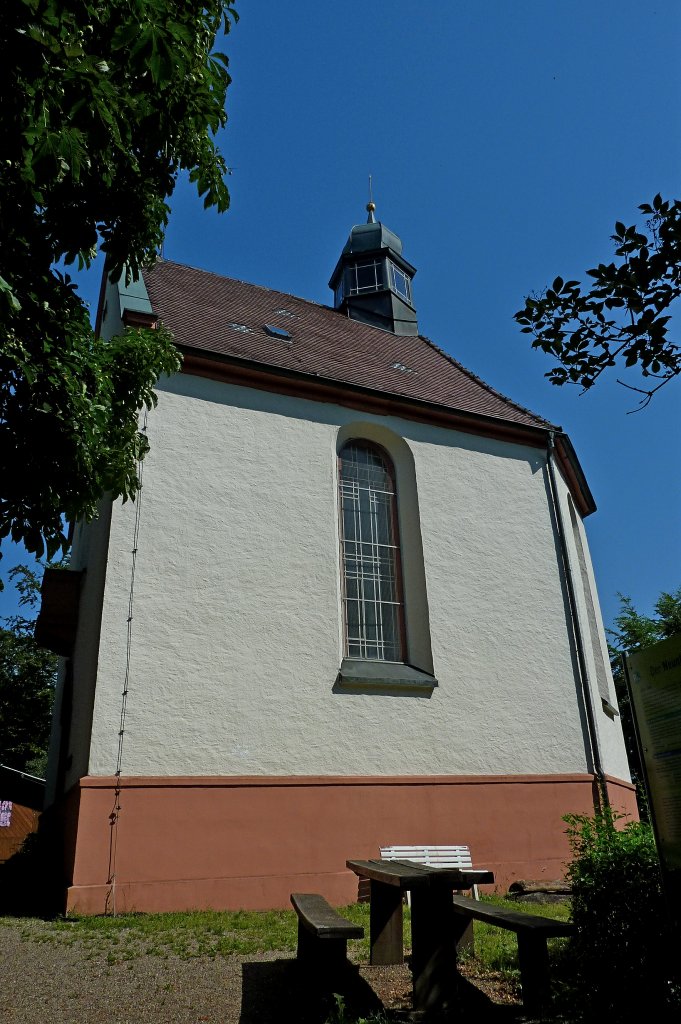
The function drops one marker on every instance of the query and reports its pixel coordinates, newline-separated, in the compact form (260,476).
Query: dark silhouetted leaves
(570,323)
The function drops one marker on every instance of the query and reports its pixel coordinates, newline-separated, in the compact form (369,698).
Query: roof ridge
(354,324)
(483,383)
(238,280)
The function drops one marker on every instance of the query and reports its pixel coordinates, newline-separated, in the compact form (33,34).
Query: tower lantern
(372,281)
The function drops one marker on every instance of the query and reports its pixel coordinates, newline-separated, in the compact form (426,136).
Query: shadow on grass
(474,1007)
(281,990)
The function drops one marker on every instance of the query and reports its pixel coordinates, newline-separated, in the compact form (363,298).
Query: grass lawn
(221,933)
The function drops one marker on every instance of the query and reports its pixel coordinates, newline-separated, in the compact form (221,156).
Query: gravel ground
(48,981)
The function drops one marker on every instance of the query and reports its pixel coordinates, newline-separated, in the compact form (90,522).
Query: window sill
(388,677)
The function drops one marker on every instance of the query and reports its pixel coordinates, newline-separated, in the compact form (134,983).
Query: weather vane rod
(371,205)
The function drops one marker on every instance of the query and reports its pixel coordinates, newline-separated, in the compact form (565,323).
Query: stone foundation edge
(192,843)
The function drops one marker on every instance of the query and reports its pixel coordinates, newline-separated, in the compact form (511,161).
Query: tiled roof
(212,314)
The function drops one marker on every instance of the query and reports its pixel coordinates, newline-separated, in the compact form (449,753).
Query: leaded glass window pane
(365,277)
(374,612)
(399,282)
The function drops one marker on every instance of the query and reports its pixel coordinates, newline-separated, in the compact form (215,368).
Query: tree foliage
(103,105)
(623,318)
(632,632)
(27,679)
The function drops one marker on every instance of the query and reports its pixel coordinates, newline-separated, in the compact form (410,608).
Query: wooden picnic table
(435,928)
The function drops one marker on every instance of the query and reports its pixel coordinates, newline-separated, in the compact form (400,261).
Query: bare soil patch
(65,981)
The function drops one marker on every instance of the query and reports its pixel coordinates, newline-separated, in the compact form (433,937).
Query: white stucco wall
(608,727)
(237,633)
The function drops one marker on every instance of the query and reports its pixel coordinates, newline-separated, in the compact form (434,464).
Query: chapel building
(352,606)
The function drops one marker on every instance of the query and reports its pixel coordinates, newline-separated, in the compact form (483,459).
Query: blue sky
(505,138)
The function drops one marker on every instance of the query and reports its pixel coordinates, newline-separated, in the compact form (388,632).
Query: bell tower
(372,281)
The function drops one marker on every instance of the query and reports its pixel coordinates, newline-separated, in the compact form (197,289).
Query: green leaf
(108,103)
(9,296)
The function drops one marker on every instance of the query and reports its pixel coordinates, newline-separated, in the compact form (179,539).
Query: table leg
(533,958)
(435,932)
(385,924)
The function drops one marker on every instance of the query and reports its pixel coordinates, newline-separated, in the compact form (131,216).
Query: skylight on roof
(287,312)
(242,328)
(278,332)
(402,368)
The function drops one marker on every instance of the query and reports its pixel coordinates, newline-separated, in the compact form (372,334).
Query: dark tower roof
(372,236)
(372,281)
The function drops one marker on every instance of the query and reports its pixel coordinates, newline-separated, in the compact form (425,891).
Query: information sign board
(654,677)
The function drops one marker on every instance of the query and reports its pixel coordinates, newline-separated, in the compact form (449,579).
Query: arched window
(370,554)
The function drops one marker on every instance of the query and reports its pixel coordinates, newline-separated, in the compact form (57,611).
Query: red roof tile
(213,314)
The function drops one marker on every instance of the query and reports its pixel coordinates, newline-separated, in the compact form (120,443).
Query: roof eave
(571,468)
(274,378)
(265,377)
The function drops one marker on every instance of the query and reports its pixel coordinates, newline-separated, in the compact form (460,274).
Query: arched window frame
(362,646)
(413,677)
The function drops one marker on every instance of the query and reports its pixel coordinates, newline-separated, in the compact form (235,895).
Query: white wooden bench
(432,856)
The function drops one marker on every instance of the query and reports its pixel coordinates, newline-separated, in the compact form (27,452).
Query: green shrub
(623,953)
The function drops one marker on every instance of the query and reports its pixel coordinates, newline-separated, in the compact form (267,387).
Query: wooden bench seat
(532,931)
(322,933)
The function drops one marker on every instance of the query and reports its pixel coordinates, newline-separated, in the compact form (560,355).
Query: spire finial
(371,205)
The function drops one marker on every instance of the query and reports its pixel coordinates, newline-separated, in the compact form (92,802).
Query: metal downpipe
(577,631)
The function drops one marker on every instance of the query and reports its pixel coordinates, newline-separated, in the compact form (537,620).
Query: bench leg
(326,958)
(466,940)
(307,946)
(385,924)
(533,956)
